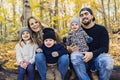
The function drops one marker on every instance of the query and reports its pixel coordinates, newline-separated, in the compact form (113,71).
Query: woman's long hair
(37,36)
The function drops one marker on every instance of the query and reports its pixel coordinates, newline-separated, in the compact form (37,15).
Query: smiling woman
(36,27)
(40,60)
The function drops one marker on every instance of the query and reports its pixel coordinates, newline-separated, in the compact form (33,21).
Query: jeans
(103,63)
(30,70)
(41,65)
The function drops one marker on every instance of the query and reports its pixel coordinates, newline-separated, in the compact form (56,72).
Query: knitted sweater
(26,52)
(56,47)
(79,38)
(100,43)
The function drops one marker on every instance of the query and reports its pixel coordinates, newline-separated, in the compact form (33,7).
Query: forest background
(55,14)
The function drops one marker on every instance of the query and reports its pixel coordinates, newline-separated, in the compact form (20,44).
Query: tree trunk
(109,26)
(26,12)
(41,8)
(14,13)
(55,14)
(103,13)
(0,23)
(115,7)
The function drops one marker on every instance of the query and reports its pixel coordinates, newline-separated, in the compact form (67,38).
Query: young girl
(25,54)
(52,51)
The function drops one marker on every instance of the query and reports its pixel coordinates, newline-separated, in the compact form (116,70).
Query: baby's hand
(39,50)
(55,54)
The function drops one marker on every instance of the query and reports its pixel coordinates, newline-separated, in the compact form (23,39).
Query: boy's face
(25,35)
(49,42)
(74,26)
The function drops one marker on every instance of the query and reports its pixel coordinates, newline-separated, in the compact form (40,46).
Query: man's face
(86,17)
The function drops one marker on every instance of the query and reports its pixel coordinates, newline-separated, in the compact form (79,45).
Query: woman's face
(34,25)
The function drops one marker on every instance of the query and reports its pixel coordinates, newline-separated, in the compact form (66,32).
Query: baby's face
(74,27)
(49,42)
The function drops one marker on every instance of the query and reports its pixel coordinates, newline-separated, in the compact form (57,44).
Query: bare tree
(0,21)
(115,7)
(26,12)
(103,13)
(14,13)
(109,26)
(55,14)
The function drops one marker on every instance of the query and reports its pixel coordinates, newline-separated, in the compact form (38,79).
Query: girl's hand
(21,62)
(23,65)
(27,63)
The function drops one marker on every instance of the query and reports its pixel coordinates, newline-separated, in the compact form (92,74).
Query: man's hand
(88,56)
(55,54)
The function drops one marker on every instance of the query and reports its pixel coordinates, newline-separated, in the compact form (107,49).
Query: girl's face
(49,42)
(74,26)
(34,25)
(26,35)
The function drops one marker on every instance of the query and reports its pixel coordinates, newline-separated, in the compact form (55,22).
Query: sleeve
(87,38)
(34,52)
(104,43)
(62,50)
(19,57)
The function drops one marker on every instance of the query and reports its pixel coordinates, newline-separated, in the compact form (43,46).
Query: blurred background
(55,14)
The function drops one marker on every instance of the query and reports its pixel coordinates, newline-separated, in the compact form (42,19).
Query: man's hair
(89,10)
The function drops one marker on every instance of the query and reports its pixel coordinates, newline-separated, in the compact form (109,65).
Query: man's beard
(87,23)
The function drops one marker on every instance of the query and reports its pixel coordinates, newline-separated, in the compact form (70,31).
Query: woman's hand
(87,56)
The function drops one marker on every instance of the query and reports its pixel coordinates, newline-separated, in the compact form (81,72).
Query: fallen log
(8,74)
(115,73)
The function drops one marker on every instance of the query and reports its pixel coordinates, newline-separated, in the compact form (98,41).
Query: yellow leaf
(2,19)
